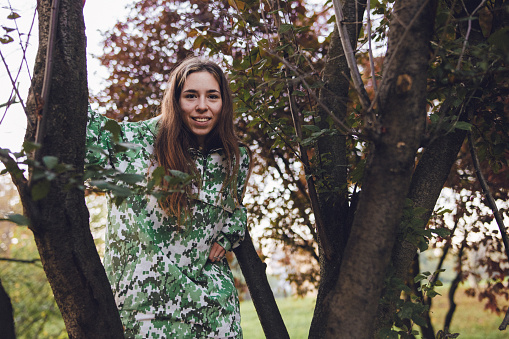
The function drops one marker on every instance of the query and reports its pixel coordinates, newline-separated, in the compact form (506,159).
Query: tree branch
(253,270)
(350,57)
(328,250)
(23,261)
(489,196)
(492,204)
(13,83)
(48,72)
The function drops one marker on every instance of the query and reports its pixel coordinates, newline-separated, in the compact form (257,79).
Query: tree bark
(402,113)
(253,270)
(332,188)
(6,315)
(427,183)
(60,219)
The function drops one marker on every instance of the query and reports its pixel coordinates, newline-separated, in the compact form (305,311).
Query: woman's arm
(235,225)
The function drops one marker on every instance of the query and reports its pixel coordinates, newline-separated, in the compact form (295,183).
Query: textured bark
(332,193)
(427,182)
(253,270)
(6,317)
(60,220)
(402,113)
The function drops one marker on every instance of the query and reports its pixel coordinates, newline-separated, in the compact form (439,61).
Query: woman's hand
(217,252)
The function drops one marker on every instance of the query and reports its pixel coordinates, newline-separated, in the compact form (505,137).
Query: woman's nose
(202,105)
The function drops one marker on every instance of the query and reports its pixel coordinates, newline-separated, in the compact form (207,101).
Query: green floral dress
(163,283)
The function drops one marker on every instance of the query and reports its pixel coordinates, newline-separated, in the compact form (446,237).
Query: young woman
(165,258)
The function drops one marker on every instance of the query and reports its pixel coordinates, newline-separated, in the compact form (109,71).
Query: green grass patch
(471,320)
(297,314)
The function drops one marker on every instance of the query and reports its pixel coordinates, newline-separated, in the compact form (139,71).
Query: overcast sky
(100,15)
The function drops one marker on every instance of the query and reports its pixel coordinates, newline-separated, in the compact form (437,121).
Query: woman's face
(201,104)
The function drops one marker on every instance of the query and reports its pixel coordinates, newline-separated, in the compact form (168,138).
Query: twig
(350,57)
(467,35)
(328,250)
(370,49)
(23,261)
(13,83)
(48,71)
(489,196)
(496,212)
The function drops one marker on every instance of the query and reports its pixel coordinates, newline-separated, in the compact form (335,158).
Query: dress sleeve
(98,141)
(235,225)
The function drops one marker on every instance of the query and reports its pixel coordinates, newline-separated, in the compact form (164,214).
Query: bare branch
(350,57)
(23,261)
(489,197)
(458,66)
(328,249)
(370,48)
(48,71)
(13,83)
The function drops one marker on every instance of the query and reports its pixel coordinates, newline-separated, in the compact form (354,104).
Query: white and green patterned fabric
(163,283)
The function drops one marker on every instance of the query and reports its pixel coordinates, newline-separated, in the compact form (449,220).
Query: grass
(296,312)
(470,318)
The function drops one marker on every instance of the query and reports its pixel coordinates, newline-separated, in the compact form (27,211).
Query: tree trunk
(6,316)
(253,270)
(332,189)
(60,219)
(427,182)
(402,113)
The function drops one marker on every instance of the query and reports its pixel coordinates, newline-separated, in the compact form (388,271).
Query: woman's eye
(214,96)
(190,96)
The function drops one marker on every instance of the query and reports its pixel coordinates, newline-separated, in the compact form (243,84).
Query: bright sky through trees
(99,17)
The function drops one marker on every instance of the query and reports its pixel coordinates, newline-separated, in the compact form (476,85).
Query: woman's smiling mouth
(201,119)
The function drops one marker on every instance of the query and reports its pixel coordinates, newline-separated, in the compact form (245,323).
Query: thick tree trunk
(60,219)
(427,183)
(6,315)
(402,113)
(253,270)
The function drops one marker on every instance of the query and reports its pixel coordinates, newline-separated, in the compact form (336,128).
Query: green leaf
(50,161)
(130,178)
(18,219)
(8,29)
(114,128)
(30,146)
(441,232)
(285,28)
(387,333)
(13,16)
(40,190)
(463,125)
(312,128)
(6,39)
(420,277)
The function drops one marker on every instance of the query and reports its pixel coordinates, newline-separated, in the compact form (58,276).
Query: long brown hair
(171,149)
